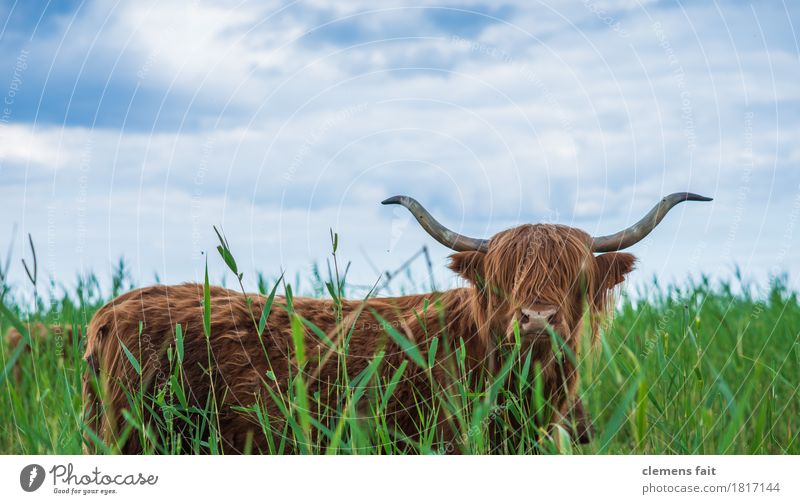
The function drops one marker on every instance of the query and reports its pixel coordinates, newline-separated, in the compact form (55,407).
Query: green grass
(691,369)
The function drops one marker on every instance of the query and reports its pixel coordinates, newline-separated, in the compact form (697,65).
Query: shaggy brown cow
(534,275)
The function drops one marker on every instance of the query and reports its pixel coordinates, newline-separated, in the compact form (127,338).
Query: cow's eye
(524,319)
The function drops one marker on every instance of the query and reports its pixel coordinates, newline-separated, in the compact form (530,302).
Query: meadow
(699,368)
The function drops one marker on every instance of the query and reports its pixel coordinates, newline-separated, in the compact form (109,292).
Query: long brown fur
(523,266)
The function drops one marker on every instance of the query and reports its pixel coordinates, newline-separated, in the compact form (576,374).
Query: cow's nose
(535,320)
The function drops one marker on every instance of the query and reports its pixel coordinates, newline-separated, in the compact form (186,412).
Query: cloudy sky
(129,128)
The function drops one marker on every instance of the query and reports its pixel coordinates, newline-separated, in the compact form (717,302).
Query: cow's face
(539,277)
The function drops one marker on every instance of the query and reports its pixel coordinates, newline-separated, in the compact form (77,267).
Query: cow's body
(238,355)
(239,362)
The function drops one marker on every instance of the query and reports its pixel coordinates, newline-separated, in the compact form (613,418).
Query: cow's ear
(468,265)
(613,267)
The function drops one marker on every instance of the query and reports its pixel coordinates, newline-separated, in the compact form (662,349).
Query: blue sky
(130,128)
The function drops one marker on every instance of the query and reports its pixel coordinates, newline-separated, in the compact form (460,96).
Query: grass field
(689,369)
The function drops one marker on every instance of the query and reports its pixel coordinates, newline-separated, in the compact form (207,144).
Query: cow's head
(542,275)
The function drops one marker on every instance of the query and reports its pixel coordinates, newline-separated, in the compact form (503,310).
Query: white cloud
(578,122)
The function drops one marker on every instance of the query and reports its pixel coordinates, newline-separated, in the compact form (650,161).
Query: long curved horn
(446,237)
(638,231)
